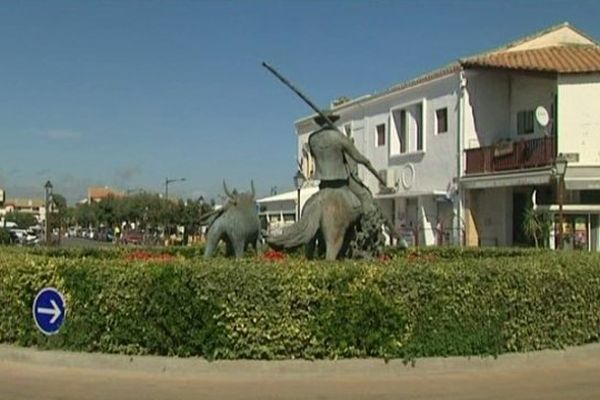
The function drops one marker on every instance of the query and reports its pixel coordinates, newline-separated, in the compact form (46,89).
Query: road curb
(588,354)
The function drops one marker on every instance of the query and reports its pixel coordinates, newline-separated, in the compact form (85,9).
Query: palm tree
(531,225)
(536,226)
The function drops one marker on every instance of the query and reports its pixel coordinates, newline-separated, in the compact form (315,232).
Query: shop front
(579,231)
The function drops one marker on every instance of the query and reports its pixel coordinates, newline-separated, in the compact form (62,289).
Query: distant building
(28,206)
(96,194)
(280,210)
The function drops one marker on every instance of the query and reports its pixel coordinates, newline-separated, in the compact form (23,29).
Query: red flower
(272,255)
(141,255)
(384,257)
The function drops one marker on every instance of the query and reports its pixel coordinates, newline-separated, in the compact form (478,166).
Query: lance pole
(298,92)
(318,111)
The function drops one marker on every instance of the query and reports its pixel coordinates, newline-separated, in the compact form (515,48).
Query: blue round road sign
(49,310)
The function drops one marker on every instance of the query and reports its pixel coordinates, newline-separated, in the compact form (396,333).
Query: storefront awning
(409,194)
(506,179)
(582,178)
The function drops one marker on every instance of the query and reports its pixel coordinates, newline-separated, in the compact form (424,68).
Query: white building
(280,210)
(465,152)
(35,207)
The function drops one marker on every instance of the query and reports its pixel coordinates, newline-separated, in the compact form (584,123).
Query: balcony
(511,156)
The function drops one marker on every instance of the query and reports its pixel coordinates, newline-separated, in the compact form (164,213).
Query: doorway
(520,202)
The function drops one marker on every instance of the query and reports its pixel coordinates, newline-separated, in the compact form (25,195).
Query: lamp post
(298,182)
(48,188)
(560,166)
(167,181)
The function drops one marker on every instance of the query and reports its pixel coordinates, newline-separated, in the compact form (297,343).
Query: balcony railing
(511,155)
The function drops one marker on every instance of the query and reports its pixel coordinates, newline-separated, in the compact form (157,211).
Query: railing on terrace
(510,156)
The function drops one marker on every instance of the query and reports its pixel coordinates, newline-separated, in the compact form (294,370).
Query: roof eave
(434,75)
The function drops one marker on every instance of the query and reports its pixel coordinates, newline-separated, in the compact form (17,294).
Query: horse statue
(328,214)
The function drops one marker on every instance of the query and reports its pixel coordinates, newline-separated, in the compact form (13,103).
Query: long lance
(326,118)
(298,92)
(314,107)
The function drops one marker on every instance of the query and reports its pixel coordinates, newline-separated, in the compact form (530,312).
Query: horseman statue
(343,206)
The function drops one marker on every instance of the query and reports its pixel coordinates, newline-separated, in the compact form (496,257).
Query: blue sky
(126,93)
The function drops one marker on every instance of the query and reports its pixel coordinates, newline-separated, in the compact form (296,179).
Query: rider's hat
(329,113)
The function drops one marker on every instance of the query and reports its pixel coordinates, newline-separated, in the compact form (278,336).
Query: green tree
(531,226)
(23,220)
(190,213)
(58,208)
(4,236)
(536,226)
(85,215)
(148,211)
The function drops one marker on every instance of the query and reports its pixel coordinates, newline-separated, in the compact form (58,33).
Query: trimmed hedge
(418,304)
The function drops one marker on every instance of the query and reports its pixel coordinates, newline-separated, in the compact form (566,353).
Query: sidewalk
(573,373)
(193,366)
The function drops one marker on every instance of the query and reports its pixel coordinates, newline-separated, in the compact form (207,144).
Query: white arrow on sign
(55,311)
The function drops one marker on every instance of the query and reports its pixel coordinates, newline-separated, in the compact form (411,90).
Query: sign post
(49,310)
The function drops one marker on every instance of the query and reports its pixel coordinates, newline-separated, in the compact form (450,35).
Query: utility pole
(167,181)
(48,188)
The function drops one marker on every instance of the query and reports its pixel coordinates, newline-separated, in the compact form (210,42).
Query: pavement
(27,373)
(82,242)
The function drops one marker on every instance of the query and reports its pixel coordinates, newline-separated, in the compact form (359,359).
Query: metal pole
(47,218)
(298,92)
(298,208)
(561,242)
(166,188)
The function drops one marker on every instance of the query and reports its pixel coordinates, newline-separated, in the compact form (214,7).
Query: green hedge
(411,306)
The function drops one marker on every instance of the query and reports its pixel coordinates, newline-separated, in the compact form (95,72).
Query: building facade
(99,193)
(470,146)
(35,207)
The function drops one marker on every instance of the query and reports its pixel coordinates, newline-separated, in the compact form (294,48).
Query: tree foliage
(537,226)
(23,220)
(145,210)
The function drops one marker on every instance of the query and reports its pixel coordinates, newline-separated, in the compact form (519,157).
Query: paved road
(81,242)
(26,374)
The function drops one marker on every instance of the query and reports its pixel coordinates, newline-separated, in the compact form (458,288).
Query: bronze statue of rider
(336,158)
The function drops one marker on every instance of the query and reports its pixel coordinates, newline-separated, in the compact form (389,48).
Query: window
(403,138)
(419,126)
(525,122)
(441,118)
(399,120)
(380,135)
(348,130)
(406,130)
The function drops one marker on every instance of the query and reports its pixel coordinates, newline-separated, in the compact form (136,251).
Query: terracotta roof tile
(561,59)
(102,192)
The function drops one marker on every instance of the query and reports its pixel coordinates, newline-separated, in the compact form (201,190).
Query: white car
(26,237)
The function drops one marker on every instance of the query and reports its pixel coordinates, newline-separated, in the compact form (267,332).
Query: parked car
(23,236)
(105,235)
(132,237)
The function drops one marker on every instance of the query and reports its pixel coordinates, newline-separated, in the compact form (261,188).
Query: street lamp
(167,181)
(560,167)
(298,182)
(48,188)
